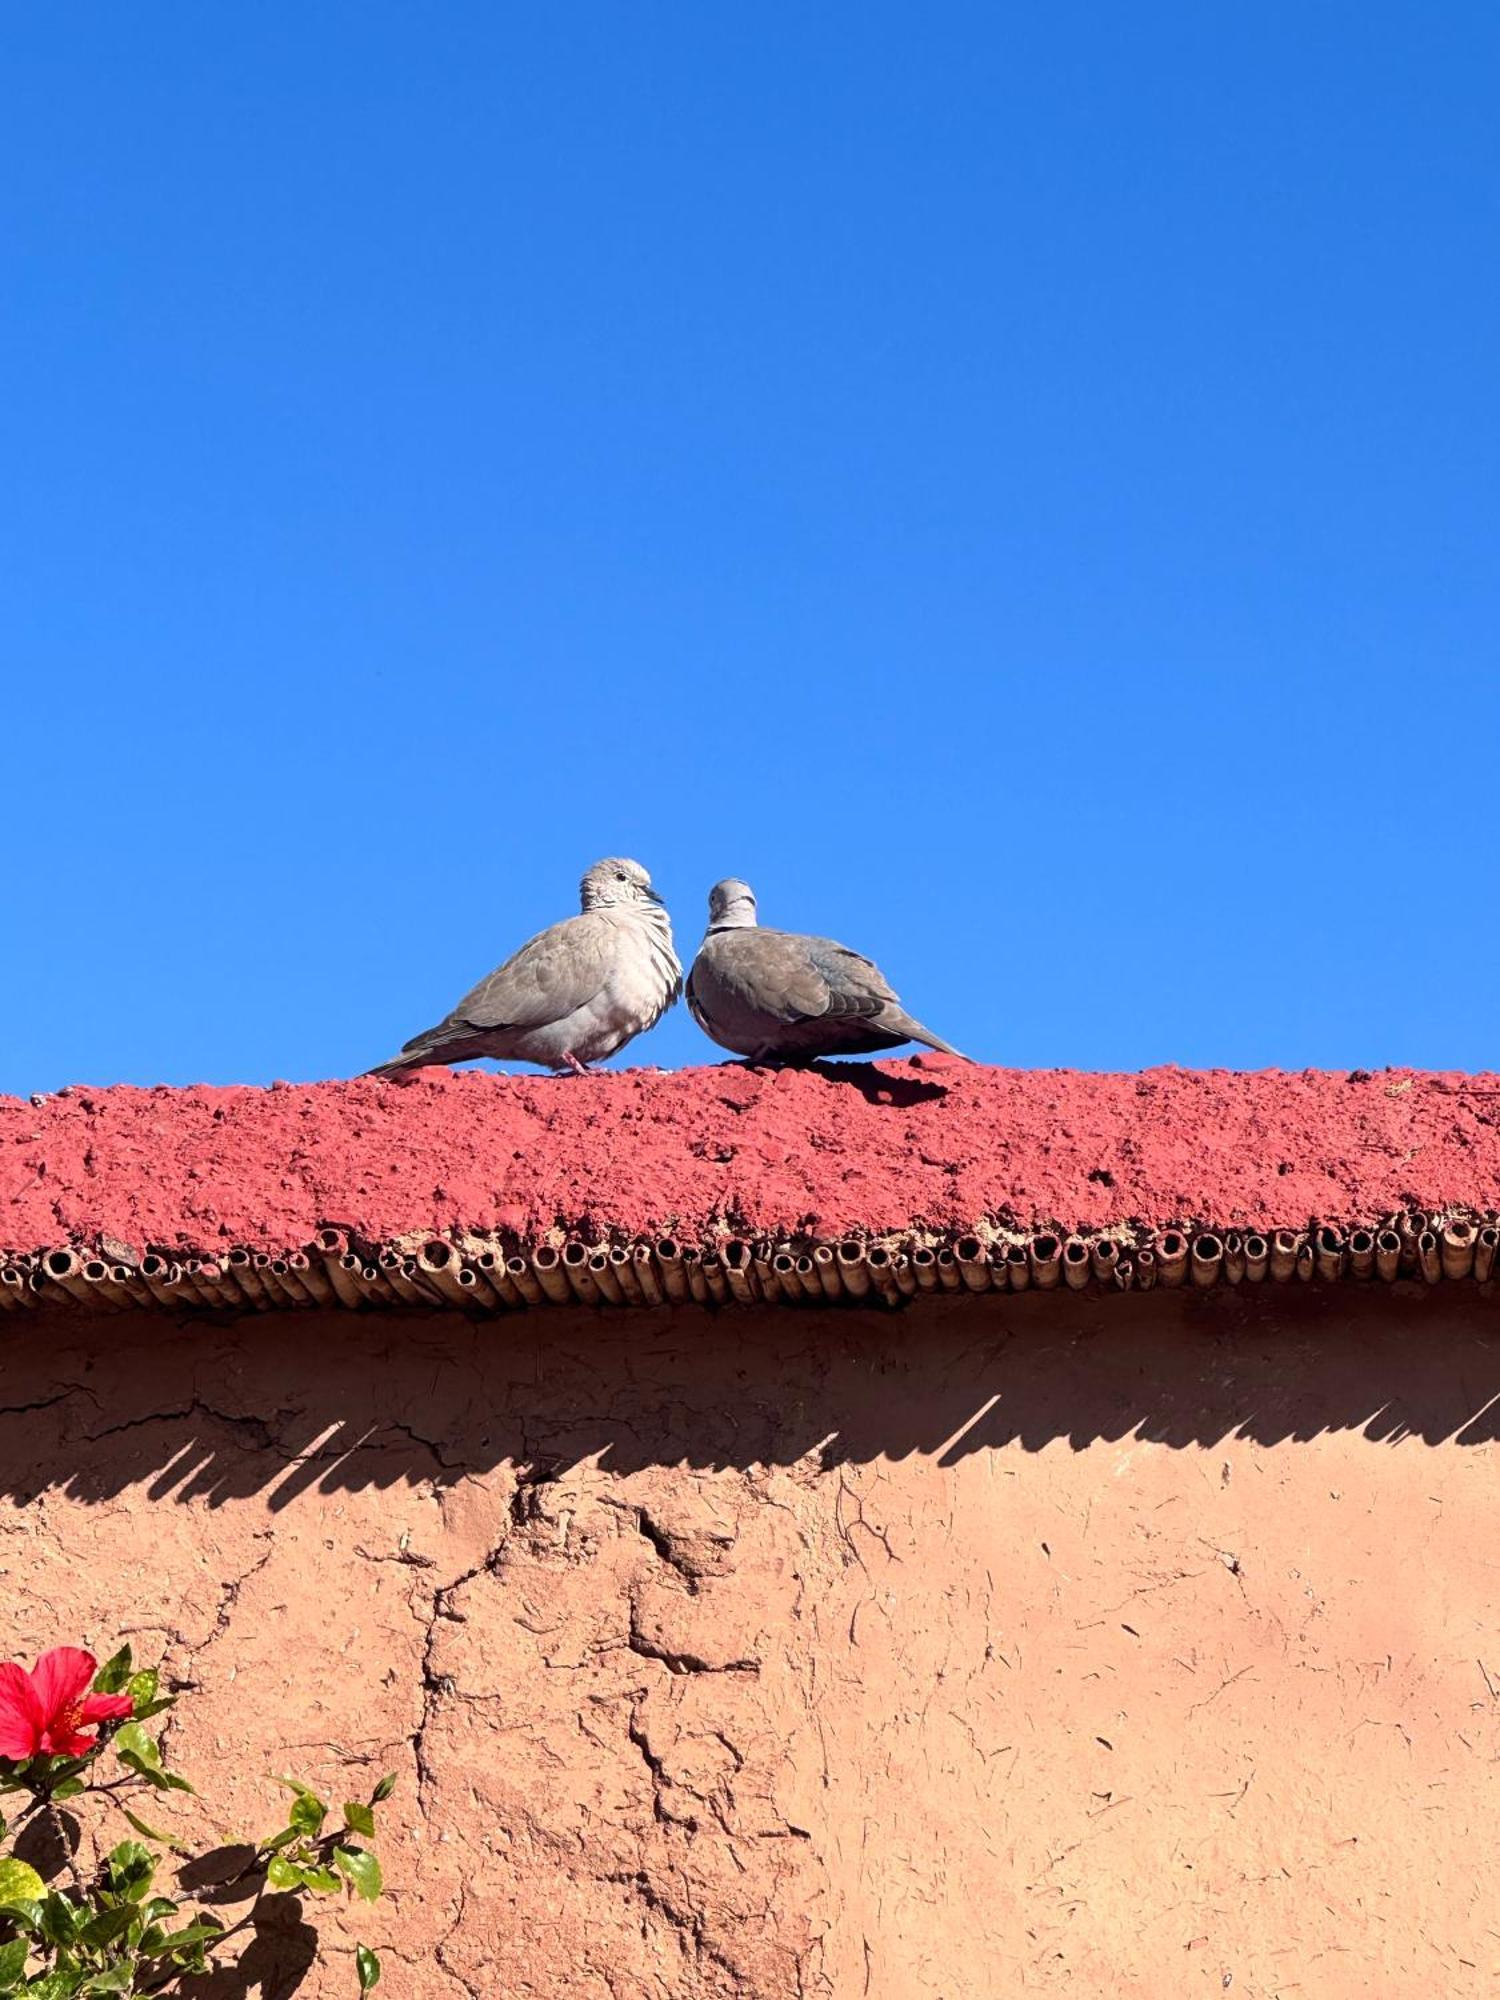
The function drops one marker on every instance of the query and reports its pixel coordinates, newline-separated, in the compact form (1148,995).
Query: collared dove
(780,997)
(575,993)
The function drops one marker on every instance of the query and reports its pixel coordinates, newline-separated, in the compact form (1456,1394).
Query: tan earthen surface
(1141,1647)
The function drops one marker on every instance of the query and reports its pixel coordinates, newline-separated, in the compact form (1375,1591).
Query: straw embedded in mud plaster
(882,1277)
(853,1263)
(1171,1257)
(606,1281)
(736,1257)
(1077,1264)
(1457,1247)
(487,1278)
(1329,1254)
(1044,1254)
(550,1278)
(1207,1260)
(706,1276)
(1485,1245)
(576,1273)
(973,1263)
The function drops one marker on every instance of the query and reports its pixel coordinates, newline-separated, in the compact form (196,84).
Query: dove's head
(731,905)
(608,884)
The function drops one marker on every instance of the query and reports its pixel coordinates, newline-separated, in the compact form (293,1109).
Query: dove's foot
(578,1068)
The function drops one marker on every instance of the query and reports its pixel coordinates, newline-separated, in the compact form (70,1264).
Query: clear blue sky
(1020,484)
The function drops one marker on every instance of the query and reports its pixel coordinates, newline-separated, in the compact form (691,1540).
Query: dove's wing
(763,991)
(794,978)
(550,977)
(858,991)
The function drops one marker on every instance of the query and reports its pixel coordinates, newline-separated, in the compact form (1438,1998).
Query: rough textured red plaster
(926,1141)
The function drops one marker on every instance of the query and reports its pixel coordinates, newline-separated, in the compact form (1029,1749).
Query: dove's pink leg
(578,1068)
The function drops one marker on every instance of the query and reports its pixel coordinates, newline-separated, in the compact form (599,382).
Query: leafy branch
(111,1933)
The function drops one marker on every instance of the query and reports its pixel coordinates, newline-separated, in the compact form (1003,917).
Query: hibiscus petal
(105,1707)
(62,1678)
(67,1743)
(20,1713)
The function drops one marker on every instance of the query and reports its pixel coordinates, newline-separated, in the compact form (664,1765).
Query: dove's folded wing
(554,974)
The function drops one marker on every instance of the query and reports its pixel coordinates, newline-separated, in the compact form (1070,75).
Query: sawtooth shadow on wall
(327,1402)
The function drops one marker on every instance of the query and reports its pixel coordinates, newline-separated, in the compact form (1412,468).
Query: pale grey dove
(777,996)
(575,993)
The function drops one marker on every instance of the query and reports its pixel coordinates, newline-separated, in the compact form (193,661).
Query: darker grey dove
(777,996)
(575,993)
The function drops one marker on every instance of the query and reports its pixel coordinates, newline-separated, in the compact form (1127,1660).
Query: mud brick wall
(1143,1645)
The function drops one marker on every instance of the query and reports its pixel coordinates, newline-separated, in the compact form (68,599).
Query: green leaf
(359,1819)
(308,1814)
(20,1883)
(115,1672)
(25,1914)
(368,1966)
(118,1979)
(60,1769)
(150,1832)
(293,1785)
(362,1870)
(383,1791)
(198,1932)
(108,1925)
(53,1986)
(138,1751)
(149,1766)
(59,1919)
(307,1874)
(13,1958)
(68,1789)
(142,1687)
(144,1710)
(142,1690)
(132,1741)
(130,1869)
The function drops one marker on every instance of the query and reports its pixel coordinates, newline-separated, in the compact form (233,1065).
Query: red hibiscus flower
(42,1714)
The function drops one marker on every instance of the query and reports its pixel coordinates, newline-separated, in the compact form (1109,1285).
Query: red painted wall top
(925,1141)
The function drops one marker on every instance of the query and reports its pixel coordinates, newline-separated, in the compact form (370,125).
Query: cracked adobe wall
(1128,1645)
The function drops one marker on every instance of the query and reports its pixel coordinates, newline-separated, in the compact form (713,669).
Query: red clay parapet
(925,1144)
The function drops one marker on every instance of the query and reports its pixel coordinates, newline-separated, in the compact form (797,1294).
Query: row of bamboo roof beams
(481,1276)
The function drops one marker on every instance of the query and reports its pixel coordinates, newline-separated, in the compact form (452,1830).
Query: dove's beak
(651,896)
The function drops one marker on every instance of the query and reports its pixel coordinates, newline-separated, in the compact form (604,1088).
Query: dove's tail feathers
(448,1042)
(914,1032)
(401,1066)
(419,1053)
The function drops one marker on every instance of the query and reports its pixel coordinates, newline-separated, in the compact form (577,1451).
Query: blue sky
(1018,484)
